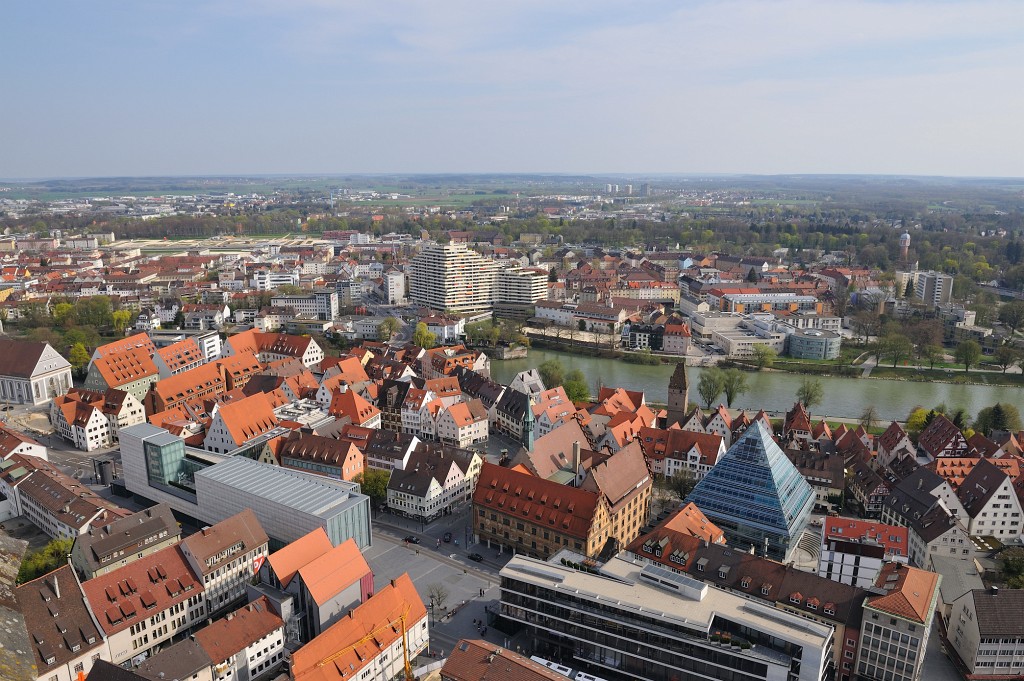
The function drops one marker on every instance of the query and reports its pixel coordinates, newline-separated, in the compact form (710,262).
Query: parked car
(447,537)
(475,557)
(412,539)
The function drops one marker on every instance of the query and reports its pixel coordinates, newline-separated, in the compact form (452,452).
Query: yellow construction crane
(370,636)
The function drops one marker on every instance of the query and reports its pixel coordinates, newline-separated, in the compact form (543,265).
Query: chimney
(56,588)
(920,483)
(994,590)
(206,531)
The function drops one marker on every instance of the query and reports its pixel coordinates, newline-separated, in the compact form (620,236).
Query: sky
(187,87)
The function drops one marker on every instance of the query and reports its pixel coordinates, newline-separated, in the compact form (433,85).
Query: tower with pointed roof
(528,424)
(756,495)
(678,395)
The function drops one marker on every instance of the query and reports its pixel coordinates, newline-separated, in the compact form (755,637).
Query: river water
(776,391)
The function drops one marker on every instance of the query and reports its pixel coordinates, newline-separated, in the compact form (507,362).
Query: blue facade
(755,495)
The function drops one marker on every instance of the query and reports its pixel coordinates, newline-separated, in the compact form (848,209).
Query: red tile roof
(141,589)
(911,592)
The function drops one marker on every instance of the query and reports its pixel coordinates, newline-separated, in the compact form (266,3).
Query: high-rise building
(453,278)
(933,288)
(756,496)
(904,246)
(518,288)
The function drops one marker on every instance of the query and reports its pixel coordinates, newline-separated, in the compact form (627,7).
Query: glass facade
(756,496)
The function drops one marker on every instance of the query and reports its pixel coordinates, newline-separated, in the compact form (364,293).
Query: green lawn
(953,375)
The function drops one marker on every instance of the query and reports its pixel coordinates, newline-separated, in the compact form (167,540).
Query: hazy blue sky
(324,86)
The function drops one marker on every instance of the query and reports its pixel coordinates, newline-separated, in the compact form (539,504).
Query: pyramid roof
(755,485)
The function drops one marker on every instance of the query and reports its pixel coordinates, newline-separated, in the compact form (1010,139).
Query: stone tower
(678,395)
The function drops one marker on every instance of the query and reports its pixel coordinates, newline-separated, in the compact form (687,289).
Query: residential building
(986,633)
(676,339)
(271,347)
(462,424)
(203,382)
(756,495)
(452,278)
(314,584)
(58,504)
(990,503)
(934,530)
(146,604)
(271,280)
(517,289)
(237,423)
(385,450)
(328,456)
(665,624)
(178,357)
(247,644)
(933,288)
(673,451)
(941,438)
(435,479)
(854,551)
(346,403)
(525,513)
(65,639)
(100,550)
(897,624)
(32,373)
(894,445)
(16,656)
(478,660)
(376,637)
(14,442)
(226,556)
(92,420)
(322,305)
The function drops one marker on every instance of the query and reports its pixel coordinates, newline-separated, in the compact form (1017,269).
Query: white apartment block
(265,280)
(322,304)
(453,278)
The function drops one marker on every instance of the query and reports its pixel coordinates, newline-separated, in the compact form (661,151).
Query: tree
(752,276)
(374,484)
(764,355)
(709,385)
(437,594)
(932,354)
(734,384)
(575,385)
(810,392)
(1013,567)
(79,357)
(894,346)
(62,313)
(1012,314)
(682,483)
(423,337)
(46,559)
(1006,356)
(288,290)
(923,333)
(916,421)
(120,320)
(967,353)
(387,328)
(998,417)
(551,373)
(869,416)
(582,325)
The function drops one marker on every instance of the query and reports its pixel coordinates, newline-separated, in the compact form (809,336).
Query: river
(776,391)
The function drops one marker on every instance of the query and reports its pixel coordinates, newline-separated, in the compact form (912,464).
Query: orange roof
(690,520)
(182,353)
(248,417)
(350,404)
(367,631)
(125,366)
(334,571)
(307,548)
(231,635)
(139,340)
(910,592)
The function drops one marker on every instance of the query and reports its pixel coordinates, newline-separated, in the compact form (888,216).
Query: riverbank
(773,391)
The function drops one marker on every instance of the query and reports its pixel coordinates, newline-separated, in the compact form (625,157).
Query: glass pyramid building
(756,496)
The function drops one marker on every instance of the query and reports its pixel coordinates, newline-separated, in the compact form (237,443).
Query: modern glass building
(756,496)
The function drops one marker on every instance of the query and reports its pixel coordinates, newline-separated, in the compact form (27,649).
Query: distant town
(266,428)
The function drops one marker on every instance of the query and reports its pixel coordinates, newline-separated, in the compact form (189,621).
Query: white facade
(265,280)
(322,304)
(454,278)
(50,377)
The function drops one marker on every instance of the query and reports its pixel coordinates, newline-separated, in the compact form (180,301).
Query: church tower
(678,395)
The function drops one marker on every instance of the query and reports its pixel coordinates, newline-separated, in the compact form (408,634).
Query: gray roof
(179,661)
(126,532)
(999,614)
(958,577)
(312,494)
(17,661)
